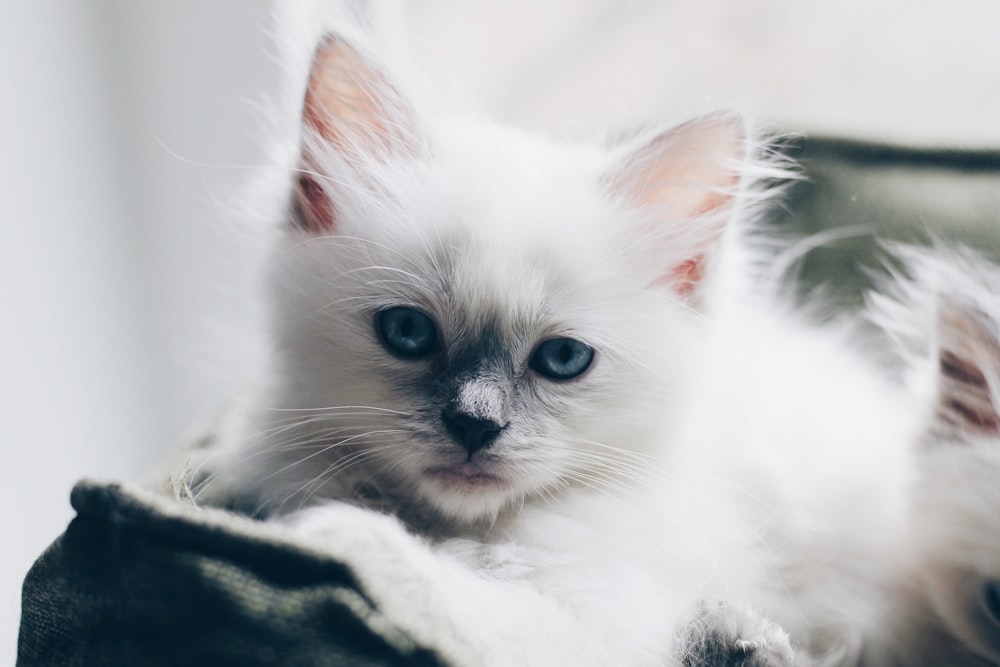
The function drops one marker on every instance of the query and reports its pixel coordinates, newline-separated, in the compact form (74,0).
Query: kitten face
(492,305)
(466,316)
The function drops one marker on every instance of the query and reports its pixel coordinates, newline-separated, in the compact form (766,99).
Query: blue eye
(561,358)
(407,332)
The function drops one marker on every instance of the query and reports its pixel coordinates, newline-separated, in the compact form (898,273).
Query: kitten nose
(470,432)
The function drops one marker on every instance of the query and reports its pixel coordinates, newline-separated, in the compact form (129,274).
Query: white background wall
(114,246)
(127,127)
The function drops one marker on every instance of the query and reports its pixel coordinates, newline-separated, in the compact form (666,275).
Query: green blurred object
(885,193)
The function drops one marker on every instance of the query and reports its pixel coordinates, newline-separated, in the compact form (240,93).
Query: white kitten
(478,331)
(502,341)
(946,321)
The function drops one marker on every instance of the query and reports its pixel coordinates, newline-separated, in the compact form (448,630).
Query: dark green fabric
(137,580)
(140,580)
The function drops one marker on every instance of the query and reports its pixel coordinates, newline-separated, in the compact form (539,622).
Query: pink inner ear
(715,200)
(354,116)
(314,212)
(683,278)
(352,105)
(685,180)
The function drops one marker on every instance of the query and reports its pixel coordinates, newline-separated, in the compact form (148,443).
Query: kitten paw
(724,634)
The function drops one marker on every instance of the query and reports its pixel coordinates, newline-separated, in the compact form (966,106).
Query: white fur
(814,450)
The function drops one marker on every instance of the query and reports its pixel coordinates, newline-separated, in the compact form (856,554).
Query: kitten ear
(685,179)
(353,115)
(968,371)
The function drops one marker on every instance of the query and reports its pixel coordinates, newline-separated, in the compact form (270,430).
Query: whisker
(342,407)
(339,443)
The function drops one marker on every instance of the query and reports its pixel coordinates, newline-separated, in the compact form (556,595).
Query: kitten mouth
(466,475)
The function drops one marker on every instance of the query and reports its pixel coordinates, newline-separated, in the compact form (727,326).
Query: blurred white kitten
(945,319)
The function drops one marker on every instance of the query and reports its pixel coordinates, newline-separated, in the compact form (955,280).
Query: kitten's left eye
(407,332)
(561,358)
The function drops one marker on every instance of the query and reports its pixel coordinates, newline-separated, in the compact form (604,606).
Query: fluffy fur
(716,448)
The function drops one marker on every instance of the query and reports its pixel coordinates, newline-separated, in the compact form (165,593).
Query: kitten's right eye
(406,331)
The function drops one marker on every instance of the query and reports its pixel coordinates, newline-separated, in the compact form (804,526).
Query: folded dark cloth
(141,579)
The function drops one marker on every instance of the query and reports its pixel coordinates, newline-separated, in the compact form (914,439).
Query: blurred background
(130,128)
